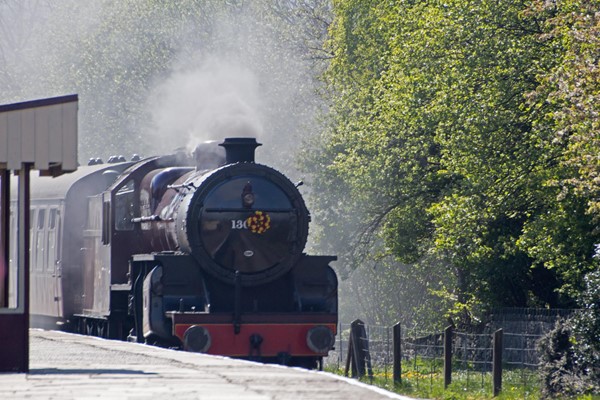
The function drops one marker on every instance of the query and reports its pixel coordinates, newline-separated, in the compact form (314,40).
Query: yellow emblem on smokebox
(260,222)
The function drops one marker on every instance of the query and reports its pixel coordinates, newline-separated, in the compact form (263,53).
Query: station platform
(67,366)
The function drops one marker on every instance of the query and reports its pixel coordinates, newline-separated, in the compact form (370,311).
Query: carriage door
(92,263)
(54,260)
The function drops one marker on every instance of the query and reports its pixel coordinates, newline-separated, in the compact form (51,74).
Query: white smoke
(213,101)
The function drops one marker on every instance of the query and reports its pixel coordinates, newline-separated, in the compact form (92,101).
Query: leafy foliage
(446,141)
(572,88)
(587,330)
(570,354)
(557,360)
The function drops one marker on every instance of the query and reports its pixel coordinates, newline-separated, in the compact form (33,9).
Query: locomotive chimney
(239,149)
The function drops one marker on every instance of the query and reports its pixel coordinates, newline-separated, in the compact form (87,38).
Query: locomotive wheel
(101,329)
(93,327)
(90,328)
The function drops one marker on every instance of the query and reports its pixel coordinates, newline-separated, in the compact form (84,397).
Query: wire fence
(422,358)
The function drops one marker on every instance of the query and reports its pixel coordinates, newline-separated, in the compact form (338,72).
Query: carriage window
(52,218)
(39,243)
(32,219)
(41,219)
(52,250)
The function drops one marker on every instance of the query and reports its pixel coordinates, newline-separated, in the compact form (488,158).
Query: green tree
(441,144)
(572,87)
(570,354)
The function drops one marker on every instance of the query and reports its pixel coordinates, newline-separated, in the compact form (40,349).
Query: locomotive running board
(249,318)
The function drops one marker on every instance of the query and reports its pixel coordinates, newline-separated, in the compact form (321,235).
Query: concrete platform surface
(66,366)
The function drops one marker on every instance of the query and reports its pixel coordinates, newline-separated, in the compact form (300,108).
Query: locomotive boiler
(201,252)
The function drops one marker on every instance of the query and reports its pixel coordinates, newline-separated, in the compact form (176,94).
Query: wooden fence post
(448,333)
(359,357)
(349,360)
(397,337)
(358,366)
(497,362)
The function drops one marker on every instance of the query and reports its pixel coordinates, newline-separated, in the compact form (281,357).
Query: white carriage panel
(14,140)
(42,161)
(69,136)
(28,135)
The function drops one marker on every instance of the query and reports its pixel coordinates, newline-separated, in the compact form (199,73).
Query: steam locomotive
(202,252)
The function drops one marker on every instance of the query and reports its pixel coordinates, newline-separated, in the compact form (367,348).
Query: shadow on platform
(58,371)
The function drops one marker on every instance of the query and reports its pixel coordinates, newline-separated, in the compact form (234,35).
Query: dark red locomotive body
(203,253)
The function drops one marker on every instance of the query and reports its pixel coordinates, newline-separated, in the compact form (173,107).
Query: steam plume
(215,100)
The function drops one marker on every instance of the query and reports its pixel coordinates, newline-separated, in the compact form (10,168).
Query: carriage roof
(43,187)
